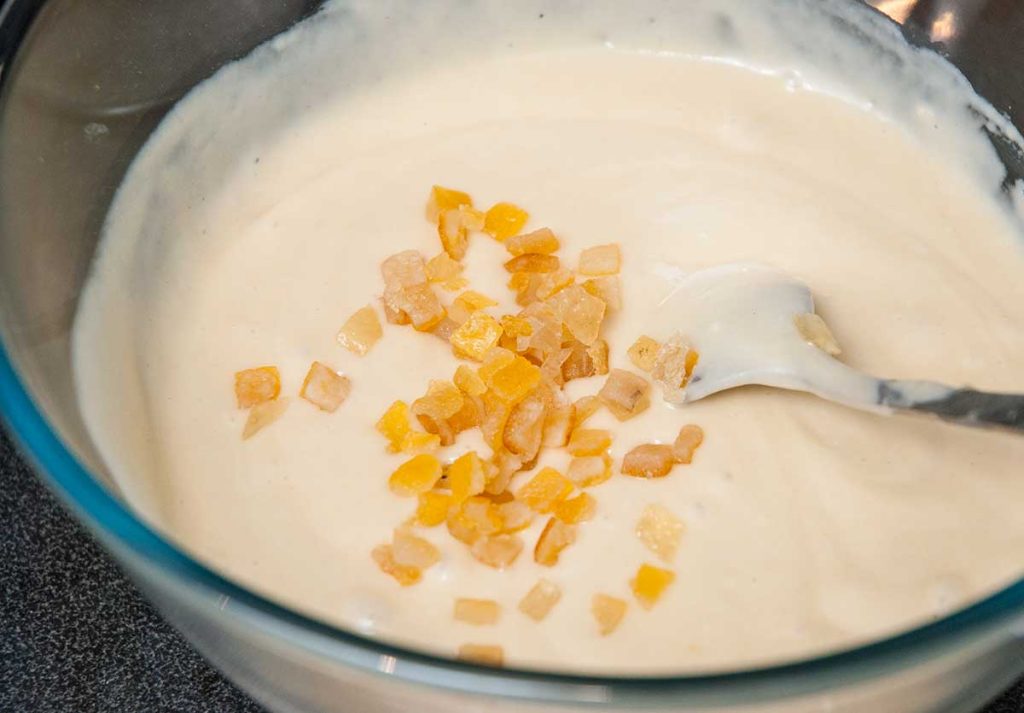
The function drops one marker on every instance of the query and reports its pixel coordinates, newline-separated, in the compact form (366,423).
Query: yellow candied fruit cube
(588,471)
(494,361)
(608,612)
(545,490)
(540,600)
(432,508)
(585,407)
(625,394)
(687,442)
(383,555)
(608,289)
(643,353)
(408,550)
(466,477)
(555,537)
(504,220)
(483,513)
(361,331)
(472,218)
(468,381)
(262,415)
(650,583)
(497,551)
(815,331)
(423,307)
(532,263)
(601,260)
(551,283)
(453,231)
(477,336)
(524,428)
(576,510)
(650,460)
(539,242)
(660,531)
(418,442)
(254,386)
(515,327)
(589,441)
(482,654)
(478,612)
(467,303)
(515,516)
(403,269)
(580,312)
(558,424)
(417,475)
(442,400)
(441,268)
(514,381)
(325,388)
(442,199)
(394,425)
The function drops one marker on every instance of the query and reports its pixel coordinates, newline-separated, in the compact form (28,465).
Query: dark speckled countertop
(76,637)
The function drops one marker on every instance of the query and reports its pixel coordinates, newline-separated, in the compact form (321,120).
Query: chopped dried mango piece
(607,289)
(545,490)
(325,388)
(584,408)
(625,394)
(466,477)
(650,583)
(576,510)
(419,442)
(361,331)
(383,555)
(588,471)
(442,199)
(417,475)
(453,229)
(608,612)
(433,508)
(498,551)
(601,260)
(394,425)
(672,368)
(254,386)
(514,381)
(477,336)
(533,262)
(408,550)
(478,612)
(515,516)
(687,442)
(580,312)
(524,428)
(468,381)
(404,269)
(555,537)
(262,415)
(540,600)
(644,353)
(589,441)
(504,220)
(660,531)
(814,329)
(482,654)
(441,268)
(539,242)
(651,460)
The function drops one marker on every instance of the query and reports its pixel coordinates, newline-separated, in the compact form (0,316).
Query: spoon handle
(967,407)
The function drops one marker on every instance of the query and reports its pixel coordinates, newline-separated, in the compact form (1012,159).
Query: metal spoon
(742,319)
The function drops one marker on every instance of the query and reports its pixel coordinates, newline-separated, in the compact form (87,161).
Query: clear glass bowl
(83,84)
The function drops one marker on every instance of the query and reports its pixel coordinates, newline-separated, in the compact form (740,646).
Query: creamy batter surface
(255,221)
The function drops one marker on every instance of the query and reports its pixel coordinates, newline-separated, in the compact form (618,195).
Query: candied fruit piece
(483,514)
(442,199)
(325,388)
(467,303)
(533,262)
(478,612)
(419,442)
(650,583)
(660,531)
(515,516)
(578,363)
(472,218)
(598,353)
(545,490)
(404,269)
(539,242)
(461,527)
(432,508)
(672,369)
(540,600)
(589,441)
(441,268)
(408,550)
(515,327)
(254,386)
(417,475)
(453,229)
(584,408)
(580,312)
(482,654)
(442,400)
(262,415)
(494,361)
(423,307)
(468,381)
(361,331)
(607,289)
(650,460)
(815,331)
(558,423)
(625,394)
(498,551)
(466,477)
(524,428)
(477,336)
(383,555)
(504,220)
(551,283)
(588,471)
(496,413)
(514,381)
(644,353)
(393,312)
(576,510)
(687,442)
(469,416)
(506,465)
(394,425)
(601,260)
(608,612)
(555,537)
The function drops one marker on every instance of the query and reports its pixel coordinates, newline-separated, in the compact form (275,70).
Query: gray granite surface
(76,637)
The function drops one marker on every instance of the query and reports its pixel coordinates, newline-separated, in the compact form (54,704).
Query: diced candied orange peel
(515,516)
(577,509)
(687,442)
(532,263)
(477,336)
(608,612)
(466,477)
(504,220)
(478,612)
(262,415)
(588,471)
(442,199)
(409,550)
(467,303)
(650,460)
(325,388)
(539,242)
(625,394)
(254,386)
(555,537)
(453,229)
(815,330)
(644,352)
(512,382)
(442,268)
(482,654)
(660,531)
(673,367)
(601,260)
(432,509)
(415,442)
(497,551)
(589,441)
(650,583)
(361,331)
(394,425)
(540,600)
(585,407)
(545,490)
(383,555)
(468,381)
(417,475)
(581,312)
(608,289)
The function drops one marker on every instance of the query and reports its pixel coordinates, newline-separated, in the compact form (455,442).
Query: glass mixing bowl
(83,85)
